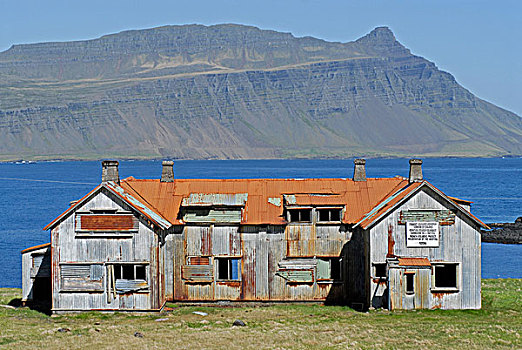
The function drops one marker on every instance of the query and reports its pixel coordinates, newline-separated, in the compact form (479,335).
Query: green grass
(284,326)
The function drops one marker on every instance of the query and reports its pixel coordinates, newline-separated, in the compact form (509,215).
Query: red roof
(36,247)
(265,197)
(263,200)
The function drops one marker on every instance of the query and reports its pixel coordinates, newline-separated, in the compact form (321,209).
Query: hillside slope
(231,91)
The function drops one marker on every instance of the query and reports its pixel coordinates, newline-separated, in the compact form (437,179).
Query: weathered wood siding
(260,249)
(458,243)
(35,264)
(141,245)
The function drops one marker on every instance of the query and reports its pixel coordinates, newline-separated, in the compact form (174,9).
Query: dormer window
(299,215)
(329,214)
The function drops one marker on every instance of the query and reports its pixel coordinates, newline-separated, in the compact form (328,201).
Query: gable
(402,196)
(108,214)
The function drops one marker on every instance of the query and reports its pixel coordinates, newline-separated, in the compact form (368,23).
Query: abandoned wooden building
(133,244)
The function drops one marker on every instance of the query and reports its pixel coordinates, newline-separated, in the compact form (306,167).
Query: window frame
(318,211)
(135,265)
(374,270)
(409,275)
(331,259)
(435,288)
(289,215)
(217,263)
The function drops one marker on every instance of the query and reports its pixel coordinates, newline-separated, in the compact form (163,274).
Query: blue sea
(32,195)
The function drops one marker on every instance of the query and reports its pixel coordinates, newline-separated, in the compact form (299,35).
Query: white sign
(422,234)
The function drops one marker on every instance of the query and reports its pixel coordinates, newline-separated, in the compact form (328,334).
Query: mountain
(233,91)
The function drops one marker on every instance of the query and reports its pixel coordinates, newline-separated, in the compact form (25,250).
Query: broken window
(300,215)
(228,269)
(129,272)
(126,278)
(379,270)
(446,276)
(410,282)
(329,269)
(329,214)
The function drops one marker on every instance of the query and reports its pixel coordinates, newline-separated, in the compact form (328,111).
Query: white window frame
(435,288)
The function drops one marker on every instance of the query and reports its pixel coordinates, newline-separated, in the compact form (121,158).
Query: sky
(478,41)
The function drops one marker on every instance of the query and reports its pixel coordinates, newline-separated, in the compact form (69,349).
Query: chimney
(110,171)
(359,171)
(415,170)
(167,171)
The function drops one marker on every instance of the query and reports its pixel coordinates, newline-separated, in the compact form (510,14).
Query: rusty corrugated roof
(264,203)
(414,262)
(36,247)
(262,200)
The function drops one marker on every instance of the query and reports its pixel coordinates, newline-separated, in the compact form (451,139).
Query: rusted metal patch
(104,222)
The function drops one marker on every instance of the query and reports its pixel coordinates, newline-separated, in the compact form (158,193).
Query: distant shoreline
(36,159)
(505,233)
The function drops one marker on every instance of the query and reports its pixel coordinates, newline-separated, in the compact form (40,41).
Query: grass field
(280,326)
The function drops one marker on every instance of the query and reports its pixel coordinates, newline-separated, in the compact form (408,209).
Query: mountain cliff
(232,91)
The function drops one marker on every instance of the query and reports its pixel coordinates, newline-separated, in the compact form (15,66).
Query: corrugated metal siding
(67,248)
(459,243)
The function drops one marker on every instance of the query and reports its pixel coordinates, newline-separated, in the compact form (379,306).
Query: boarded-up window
(228,269)
(443,217)
(81,277)
(211,215)
(106,223)
(199,260)
(297,270)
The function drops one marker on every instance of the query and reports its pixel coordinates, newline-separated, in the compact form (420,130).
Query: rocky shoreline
(507,233)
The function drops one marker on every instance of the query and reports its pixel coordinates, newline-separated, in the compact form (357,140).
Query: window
(329,269)
(129,272)
(410,282)
(328,214)
(300,215)
(379,270)
(228,269)
(127,278)
(446,276)
(81,277)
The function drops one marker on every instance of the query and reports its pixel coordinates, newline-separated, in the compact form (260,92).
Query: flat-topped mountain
(233,91)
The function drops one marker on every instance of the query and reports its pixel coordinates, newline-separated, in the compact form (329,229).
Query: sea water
(33,194)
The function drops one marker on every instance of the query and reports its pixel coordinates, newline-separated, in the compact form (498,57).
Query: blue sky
(479,42)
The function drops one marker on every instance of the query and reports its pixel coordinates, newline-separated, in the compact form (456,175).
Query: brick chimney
(359,170)
(415,170)
(110,171)
(167,171)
